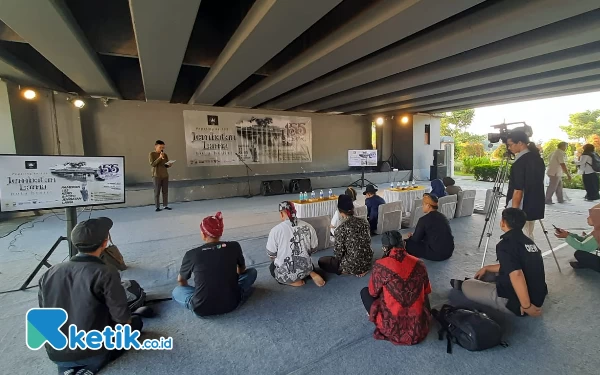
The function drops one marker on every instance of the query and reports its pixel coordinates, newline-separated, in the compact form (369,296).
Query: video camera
(502,135)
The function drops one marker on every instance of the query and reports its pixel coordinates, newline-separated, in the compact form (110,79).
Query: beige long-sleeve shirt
(159,169)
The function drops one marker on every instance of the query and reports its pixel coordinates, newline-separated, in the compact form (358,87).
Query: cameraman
(526,180)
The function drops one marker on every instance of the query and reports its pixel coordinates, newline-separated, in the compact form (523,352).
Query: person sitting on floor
(518,283)
(92,295)
(432,239)
(450,185)
(352,250)
(397,298)
(586,246)
(337,219)
(438,188)
(289,246)
(221,280)
(373,201)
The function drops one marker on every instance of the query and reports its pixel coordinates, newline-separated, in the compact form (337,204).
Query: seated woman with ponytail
(586,246)
(397,299)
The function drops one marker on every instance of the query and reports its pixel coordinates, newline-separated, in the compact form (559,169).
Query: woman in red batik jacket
(397,297)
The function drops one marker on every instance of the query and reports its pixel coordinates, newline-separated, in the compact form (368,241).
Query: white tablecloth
(407,197)
(315,209)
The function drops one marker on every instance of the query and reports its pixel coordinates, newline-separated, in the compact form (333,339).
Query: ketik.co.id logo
(43,326)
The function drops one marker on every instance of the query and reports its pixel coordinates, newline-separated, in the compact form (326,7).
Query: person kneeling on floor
(586,246)
(352,250)
(92,295)
(373,201)
(221,280)
(289,246)
(397,298)
(432,239)
(517,284)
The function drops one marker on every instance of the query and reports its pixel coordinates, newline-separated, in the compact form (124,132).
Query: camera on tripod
(503,132)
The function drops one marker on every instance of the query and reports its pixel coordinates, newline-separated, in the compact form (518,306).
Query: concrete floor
(305,330)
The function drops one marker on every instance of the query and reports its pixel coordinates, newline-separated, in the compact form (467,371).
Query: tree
(583,125)
(499,152)
(595,140)
(471,150)
(454,123)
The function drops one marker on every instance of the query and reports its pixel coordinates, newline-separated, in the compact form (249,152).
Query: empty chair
(465,204)
(361,212)
(447,206)
(479,209)
(416,213)
(321,225)
(390,217)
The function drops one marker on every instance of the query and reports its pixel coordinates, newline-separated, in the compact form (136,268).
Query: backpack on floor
(473,330)
(136,297)
(595,162)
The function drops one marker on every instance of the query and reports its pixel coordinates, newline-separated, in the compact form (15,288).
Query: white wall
(423,153)
(7,135)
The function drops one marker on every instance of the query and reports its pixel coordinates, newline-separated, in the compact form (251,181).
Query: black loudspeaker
(384,166)
(439,157)
(298,185)
(437,172)
(272,187)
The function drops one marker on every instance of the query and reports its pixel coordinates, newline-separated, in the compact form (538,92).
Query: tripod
(361,180)
(248,169)
(490,216)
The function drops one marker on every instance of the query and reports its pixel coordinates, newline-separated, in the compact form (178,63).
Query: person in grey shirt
(92,295)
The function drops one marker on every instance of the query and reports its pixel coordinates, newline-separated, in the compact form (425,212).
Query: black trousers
(330,265)
(366,298)
(591,185)
(161,183)
(588,260)
(421,250)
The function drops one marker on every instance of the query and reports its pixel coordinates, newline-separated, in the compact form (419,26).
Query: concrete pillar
(7,135)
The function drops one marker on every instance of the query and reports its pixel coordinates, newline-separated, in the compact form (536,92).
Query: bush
(458,166)
(575,183)
(468,164)
(486,172)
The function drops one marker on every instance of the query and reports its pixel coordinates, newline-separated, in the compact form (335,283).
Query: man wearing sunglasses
(432,239)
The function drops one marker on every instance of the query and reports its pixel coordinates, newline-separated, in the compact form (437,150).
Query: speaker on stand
(272,187)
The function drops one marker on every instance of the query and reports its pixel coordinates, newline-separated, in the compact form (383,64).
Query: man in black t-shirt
(520,282)
(221,280)
(526,180)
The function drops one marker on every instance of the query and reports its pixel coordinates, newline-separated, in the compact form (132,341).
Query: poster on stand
(43,182)
(226,138)
(362,158)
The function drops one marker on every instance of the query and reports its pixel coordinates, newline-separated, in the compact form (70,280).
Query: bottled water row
(404,185)
(313,195)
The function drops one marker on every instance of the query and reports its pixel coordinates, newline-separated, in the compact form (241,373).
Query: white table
(315,209)
(407,197)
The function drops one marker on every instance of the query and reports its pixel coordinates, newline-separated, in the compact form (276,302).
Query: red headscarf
(212,226)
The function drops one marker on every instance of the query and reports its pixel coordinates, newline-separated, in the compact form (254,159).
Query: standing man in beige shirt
(158,159)
(556,168)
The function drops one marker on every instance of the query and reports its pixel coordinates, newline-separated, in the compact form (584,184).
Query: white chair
(466,203)
(447,206)
(415,214)
(390,217)
(361,212)
(486,206)
(322,227)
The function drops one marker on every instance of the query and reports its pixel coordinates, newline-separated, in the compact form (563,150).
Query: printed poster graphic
(38,182)
(223,138)
(362,158)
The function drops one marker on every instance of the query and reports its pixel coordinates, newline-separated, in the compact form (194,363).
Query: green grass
(459,173)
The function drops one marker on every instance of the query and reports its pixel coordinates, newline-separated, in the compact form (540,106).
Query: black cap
(88,235)
(345,203)
(370,189)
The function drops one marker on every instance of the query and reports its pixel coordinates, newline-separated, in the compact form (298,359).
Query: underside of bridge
(331,56)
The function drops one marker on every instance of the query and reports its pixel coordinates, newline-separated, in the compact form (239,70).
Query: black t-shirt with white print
(515,252)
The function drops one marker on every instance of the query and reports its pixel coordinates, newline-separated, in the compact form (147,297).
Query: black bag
(136,297)
(595,162)
(473,330)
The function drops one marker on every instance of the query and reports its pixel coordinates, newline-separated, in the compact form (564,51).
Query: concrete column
(7,135)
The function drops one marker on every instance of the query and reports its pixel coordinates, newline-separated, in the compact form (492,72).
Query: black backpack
(473,330)
(595,161)
(136,297)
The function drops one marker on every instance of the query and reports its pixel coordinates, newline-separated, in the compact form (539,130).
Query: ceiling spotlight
(29,94)
(379,121)
(404,119)
(78,103)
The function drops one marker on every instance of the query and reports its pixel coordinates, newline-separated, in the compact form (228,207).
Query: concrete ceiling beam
(19,72)
(162,32)
(381,25)
(498,21)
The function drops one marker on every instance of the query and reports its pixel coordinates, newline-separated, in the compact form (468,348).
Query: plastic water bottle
(301,196)
(392,185)
(330,193)
(321,195)
(403,184)
(413,182)
(313,195)
(398,185)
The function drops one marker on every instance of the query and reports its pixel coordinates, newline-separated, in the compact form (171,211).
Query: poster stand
(71,213)
(362,180)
